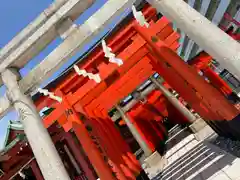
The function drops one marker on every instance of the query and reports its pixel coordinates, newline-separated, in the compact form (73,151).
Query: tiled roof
(13,125)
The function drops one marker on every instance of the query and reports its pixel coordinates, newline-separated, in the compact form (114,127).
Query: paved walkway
(190,159)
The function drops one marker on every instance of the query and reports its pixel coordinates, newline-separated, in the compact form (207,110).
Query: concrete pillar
(207,35)
(147,151)
(197,123)
(40,141)
(172,99)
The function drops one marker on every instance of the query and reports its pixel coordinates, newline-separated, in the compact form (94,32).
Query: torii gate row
(94,108)
(227,105)
(106,124)
(202,62)
(219,45)
(216,116)
(54,115)
(77,96)
(232,110)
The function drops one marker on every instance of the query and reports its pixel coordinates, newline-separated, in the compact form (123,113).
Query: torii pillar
(174,101)
(39,139)
(146,149)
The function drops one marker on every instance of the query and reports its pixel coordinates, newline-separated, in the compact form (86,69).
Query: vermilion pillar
(116,148)
(130,162)
(97,160)
(110,146)
(217,81)
(146,149)
(201,63)
(91,150)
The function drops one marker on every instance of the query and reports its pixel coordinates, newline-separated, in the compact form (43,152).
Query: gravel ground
(228,145)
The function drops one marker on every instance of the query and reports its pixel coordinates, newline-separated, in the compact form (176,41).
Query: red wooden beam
(125,55)
(113,41)
(53,116)
(217,81)
(210,96)
(12,172)
(117,90)
(128,55)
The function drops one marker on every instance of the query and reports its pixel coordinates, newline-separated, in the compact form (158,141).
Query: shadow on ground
(199,163)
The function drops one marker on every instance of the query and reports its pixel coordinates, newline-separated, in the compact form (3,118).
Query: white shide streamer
(51,95)
(83,72)
(138,15)
(110,55)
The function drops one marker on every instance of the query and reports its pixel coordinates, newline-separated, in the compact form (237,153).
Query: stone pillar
(152,159)
(40,141)
(147,150)
(175,102)
(36,170)
(197,123)
(207,35)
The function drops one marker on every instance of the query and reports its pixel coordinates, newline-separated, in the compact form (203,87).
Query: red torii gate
(202,62)
(203,98)
(57,114)
(70,100)
(89,97)
(85,96)
(140,69)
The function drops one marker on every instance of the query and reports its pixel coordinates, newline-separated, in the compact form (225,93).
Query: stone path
(190,159)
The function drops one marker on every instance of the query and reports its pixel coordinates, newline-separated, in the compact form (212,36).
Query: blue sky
(15,15)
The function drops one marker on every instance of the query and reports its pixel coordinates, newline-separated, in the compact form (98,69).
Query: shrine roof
(13,125)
